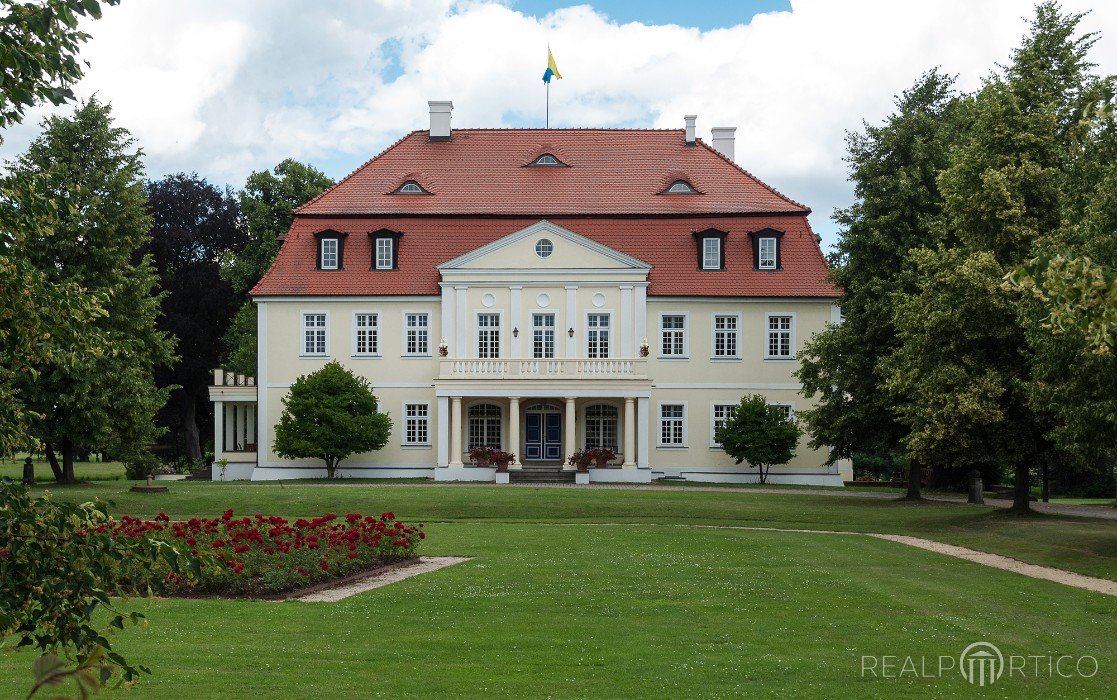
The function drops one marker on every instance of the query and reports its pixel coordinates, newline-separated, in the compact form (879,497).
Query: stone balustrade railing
(621,368)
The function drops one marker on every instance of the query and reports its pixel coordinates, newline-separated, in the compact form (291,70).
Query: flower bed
(266,555)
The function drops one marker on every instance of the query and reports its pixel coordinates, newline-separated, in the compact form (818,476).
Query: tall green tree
(759,434)
(195,226)
(39,320)
(960,375)
(108,399)
(268,201)
(894,168)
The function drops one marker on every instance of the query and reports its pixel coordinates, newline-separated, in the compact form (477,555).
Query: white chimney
(722,137)
(690,119)
(440,120)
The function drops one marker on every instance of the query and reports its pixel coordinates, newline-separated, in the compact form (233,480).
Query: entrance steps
(540,474)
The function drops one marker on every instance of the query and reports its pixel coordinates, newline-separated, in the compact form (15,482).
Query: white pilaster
(455,431)
(461,344)
(571,320)
(641,312)
(442,415)
(643,435)
(448,319)
(514,445)
(629,432)
(570,439)
(263,438)
(515,320)
(627,330)
(250,423)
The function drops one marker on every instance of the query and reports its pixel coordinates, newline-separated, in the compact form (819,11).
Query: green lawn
(84,471)
(623,611)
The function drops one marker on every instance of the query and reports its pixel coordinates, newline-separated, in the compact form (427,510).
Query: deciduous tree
(759,434)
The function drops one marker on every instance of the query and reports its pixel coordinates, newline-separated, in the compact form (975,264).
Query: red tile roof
(664,243)
(608,171)
(484,188)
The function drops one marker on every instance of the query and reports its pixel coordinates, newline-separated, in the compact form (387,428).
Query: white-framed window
(385,254)
(672,425)
(542,336)
(766,253)
(547,159)
(711,253)
(680,187)
(780,336)
(488,336)
(366,334)
(726,340)
(484,426)
(672,335)
(601,426)
(417,424)
(786,409)
(411,187)
(314,333)
(329,248)
(544,247)
(416,336)
(719,413)
(597,336)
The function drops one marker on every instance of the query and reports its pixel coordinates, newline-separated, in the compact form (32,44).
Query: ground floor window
(484,426)
(601,426)
(721,413)
(417,424)
(672,425)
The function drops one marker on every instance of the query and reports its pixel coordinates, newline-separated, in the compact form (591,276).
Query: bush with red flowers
(266,555)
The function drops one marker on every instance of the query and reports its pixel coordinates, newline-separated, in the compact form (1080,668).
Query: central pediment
(545,246)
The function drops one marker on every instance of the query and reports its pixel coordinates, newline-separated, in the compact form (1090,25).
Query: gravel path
(382,578)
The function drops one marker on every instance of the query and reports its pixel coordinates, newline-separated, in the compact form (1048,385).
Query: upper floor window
(726,327)
(681,187)
(766,245)
(328,257)
(780,336)
(366,334)
(546,159)
(330,246)
(314,334)
(488,336)
(411,187)
(385,254)
(542,336)
(597,336)
(416,334)
(672,329)
(711,253)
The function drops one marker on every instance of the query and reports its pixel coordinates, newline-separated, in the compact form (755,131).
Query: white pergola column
(571,436)
(250,423)
(643,434)
(231,427)
(629,432)
(514,431)
(218,429)
(455,431)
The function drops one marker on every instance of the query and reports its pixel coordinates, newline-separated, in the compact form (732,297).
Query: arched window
(601,426)
(411,187)
(547,159)
(680,187)
(484,426)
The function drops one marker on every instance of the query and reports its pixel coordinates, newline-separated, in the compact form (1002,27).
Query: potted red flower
(600,456)
(482,455)
(502,459)
(579,460)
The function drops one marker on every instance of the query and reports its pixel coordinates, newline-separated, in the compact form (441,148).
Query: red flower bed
(267,554)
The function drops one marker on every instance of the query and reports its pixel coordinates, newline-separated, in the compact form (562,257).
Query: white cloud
(225,88)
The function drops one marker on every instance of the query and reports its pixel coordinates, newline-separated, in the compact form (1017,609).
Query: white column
(230,426)
(570,443)
(516,320)
(251,423)
(629,432)
(514,445)
(571,321)
(626,329)
(218,429)
(455,431)
(643,435)
(443,418)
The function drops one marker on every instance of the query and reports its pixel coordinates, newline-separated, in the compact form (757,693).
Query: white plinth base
(624,475)
(502,477)
(464,473)
(582,478)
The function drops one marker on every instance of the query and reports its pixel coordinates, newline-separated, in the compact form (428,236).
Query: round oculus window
(544,248)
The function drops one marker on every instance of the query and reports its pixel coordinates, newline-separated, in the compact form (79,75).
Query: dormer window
(681,187)
(766,249)
(547,159)
(411,187)
(711,249)
(331,247)
(385,249)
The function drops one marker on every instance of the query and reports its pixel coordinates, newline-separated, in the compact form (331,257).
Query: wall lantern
(515,332)
(570,333)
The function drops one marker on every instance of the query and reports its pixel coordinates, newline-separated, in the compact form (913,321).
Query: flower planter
(502,477)
(170,477)
(582,478)
(601,462)
(481,462)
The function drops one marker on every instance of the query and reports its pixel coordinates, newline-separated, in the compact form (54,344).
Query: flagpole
(548,84)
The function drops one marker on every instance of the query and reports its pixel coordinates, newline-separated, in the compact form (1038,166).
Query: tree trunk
(28,472)
(915,483)
(1022,492)
(68,461)
(331,467)
(52,459)
(190,426)
(1044,493)
(763,473)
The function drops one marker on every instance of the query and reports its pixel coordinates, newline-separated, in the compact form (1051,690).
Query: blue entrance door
(543,436)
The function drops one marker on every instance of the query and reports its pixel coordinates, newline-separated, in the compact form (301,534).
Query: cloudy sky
(226,87)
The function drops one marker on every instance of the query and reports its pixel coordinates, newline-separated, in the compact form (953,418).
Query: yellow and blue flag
(552,69)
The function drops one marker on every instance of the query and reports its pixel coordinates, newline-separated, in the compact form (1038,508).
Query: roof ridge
(755,179)
(359,168)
